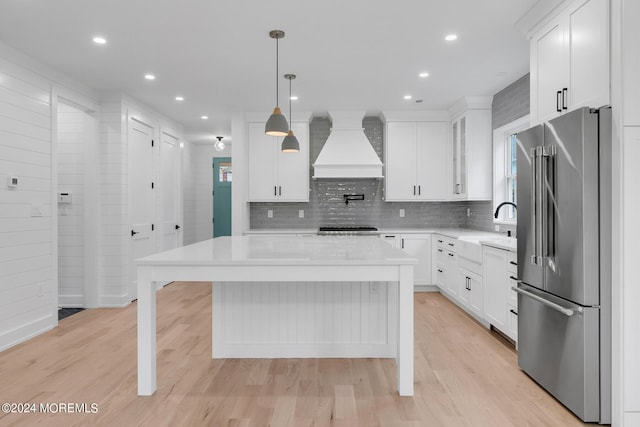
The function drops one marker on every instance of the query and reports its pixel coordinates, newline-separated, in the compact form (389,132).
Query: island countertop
(282,251)
(290,296)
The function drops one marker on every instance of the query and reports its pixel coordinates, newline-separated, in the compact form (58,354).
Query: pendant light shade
(277,124)
(290,143)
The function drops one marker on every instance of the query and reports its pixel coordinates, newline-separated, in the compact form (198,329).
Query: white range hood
(347,152)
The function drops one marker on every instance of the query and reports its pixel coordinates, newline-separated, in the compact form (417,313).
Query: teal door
(222,196)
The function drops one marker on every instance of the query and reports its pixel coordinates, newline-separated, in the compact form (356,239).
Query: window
(505,150)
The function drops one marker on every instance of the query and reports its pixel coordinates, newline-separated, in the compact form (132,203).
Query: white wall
(189,193)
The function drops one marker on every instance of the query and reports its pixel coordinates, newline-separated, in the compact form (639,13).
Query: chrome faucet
(495,215)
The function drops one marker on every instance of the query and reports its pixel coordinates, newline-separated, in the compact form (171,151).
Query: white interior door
(169,181)
(141,200)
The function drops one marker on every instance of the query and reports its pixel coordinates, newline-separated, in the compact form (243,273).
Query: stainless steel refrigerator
(564,268)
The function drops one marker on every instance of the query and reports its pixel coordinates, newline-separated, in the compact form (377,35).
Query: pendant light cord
(290,122)
(277,70)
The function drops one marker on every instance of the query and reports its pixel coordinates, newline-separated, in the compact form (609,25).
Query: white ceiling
(347,54)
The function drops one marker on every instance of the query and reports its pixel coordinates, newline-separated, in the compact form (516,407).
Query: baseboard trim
(26,332)
(426,288)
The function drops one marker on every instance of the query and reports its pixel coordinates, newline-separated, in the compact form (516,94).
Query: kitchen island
(290,296)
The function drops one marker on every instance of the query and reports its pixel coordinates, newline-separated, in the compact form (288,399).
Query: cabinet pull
(439,241)
(513,312)
(418,190)
(457,189)
(402,243)
(450,254)
(275,190)
(558,107)
(565,95)
(414,190)
(439,250)
(450,244)
(513,278)
(513,263)
(279,190)
(468,286)
(390,236)
(440,271)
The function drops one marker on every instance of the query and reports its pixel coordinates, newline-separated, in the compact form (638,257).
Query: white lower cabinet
(417,245)
(470,286)
(500,301)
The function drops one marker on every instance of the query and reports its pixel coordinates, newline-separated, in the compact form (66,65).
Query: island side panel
(304,319)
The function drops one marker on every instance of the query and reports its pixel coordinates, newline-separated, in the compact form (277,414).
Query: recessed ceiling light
(149,77)
(423,74)
(204,117)
(99,40)
(294,98)
(451,37)
(407,97)
(179,98)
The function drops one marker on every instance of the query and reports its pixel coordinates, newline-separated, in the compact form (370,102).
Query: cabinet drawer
(512,263)
(445,242)
(512,323)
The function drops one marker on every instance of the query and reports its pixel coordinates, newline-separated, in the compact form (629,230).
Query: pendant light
(277,124)
(290,143)
(218,145)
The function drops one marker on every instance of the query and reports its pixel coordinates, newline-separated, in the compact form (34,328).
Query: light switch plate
(401,213)
(301,213)
(269,213)
(12,181)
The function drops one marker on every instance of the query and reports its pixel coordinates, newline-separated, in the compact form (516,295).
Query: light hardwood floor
(465,376)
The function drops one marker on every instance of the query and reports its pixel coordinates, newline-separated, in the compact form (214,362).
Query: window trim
(500,165)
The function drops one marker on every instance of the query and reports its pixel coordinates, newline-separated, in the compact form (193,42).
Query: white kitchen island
(290,296)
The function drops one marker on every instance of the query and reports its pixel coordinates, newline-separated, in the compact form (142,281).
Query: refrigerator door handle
(536,202)
(557,307)
(548,217)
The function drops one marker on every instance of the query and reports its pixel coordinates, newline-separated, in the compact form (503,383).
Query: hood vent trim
(347,152)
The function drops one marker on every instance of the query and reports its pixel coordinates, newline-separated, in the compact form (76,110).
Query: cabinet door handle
(440,271)
(439,250)
(280,190)
(418,190)
(558,107)
(513,263)
(513,312)
(565,95)
(439,241)
(513,278)
(450,244)
(390,236)
(133,233)
(414,190)
(450,254)
(275,190)
(402,243)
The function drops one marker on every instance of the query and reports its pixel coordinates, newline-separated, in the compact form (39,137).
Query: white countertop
(283,250)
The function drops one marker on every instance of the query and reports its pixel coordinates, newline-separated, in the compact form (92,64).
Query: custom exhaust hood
(347,152)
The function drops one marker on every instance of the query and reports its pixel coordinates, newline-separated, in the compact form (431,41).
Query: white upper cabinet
(470,156)
(415,160)
(275,176)
(570,60)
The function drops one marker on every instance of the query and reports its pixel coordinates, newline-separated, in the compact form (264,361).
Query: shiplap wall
(26,253)
(75,128)
(113,209)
